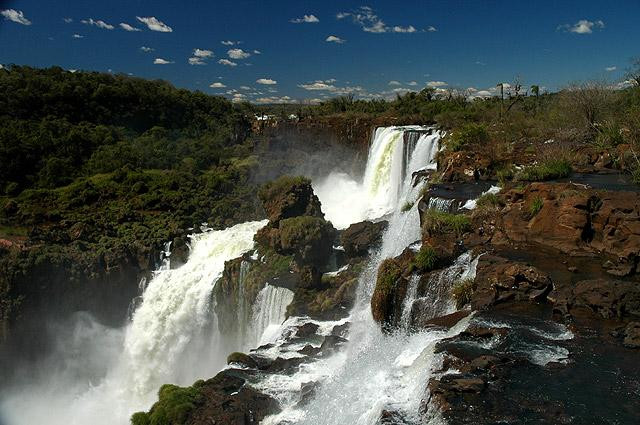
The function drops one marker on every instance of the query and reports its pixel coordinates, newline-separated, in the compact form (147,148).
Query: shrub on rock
(288,197)
(385,292)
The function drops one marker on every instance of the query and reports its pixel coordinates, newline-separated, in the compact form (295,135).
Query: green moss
(468,133)
(536,206)
(173,406)
(407,206)
(462,291)
(426,258)
(546,170)
(438,222)
(489,200)
(389,272)
(280,186)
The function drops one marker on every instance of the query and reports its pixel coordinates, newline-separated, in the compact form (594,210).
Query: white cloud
(154,24)
(128,27)
(306,19)
(147,49)
(77,36)
(245,88)
(202,53)
(99,23)
(67,20)
(395,83)
(611,68)
(16,16)
(238,54)
(257,52)
(366,18)
(412,83)
(408,29)
(160,61)
(431,28)
(275,99)
(228,42)
(239,97)
(436,84)
(217,85)
(227,62)
(583,26)
(266,81)
(335,39)
(196,61)
(326,85)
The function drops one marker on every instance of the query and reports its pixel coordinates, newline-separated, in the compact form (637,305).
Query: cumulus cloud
(77,36)
(394,83)
(436,84)
(217,85)
(245,88)
(239,97)
(412,83)
(367,19)
(128,27)
(335,39)
(196,61)
(227,62)
(583,26)
(611,68)
(238,54)
(328,86)
(67,20)
(228,42)
(275,99)
(160,61)
(266,81)
(408,29)
(431,28)
(147,49)
(154,24)
(306,19)
(202,53)
(257,52)
(16,16)
(98,23)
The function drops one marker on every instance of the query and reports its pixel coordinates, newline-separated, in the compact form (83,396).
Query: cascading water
(172,338)
(373,371)
(269,312)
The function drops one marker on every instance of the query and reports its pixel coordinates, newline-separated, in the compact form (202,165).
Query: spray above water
(172,338)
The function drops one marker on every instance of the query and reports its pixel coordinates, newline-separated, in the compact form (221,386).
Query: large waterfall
(172,338)
(375,371)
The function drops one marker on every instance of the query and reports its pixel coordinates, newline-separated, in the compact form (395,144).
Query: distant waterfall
(269,312)
(346,200)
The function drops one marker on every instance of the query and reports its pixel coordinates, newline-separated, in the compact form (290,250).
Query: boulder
(389,293)
(308,239)
(359,238)
(288,197)
(606,298)
(242,359)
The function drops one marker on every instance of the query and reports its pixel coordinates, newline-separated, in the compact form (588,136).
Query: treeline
(56,125)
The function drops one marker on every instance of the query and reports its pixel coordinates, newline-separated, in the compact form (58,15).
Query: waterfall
(346,200)
(172,338)
(374,371)
(269,311)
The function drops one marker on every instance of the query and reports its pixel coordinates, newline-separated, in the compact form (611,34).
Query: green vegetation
(173,406)
(438,222)
(489,200)
(276,188)
(467,134)
(426,259)
(536,206)
(389,272)
(547,170)
(406,206)
(462,291)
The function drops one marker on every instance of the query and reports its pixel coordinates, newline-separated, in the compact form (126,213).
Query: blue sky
(373,48)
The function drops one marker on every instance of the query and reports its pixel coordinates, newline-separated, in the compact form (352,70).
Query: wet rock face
(389,293)
(632,335)
(308,239)
(360,238)
(576,221)
(499,280)
(607,298)
(288,197)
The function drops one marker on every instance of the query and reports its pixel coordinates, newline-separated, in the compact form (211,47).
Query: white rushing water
(269,312)
(104,375)
(374,371)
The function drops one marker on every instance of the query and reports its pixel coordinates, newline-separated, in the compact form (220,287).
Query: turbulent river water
(101,376)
